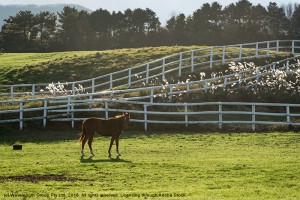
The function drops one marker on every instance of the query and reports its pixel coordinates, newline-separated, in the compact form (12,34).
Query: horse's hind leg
(85,137)
(90,145)
(110,145)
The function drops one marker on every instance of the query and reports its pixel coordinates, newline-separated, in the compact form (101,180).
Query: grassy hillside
(190,166)
(72,66)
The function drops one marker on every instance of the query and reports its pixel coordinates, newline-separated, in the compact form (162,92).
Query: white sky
(163,8)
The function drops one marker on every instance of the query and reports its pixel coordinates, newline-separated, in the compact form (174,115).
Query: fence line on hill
(188,60)
(188,86)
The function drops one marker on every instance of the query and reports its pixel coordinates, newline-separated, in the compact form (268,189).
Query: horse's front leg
(117,146)
(110,145)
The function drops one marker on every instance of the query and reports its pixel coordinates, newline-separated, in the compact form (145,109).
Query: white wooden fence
(182,62)
(218,113)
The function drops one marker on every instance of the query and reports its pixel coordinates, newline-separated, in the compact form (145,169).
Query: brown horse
(113,127)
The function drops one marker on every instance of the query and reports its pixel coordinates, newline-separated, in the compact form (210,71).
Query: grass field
(153,166)
(20,68)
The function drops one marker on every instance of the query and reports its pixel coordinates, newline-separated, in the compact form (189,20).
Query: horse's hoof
(119,154)
(92,153)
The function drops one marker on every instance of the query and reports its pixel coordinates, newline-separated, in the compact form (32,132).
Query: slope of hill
(17,68)
(12,10)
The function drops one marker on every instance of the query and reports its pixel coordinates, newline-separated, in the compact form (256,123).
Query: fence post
(211,57)
(93,85)
(268,48)
(180,64)
(145,117)
(73,88)
(68,107)
(287,65)
(273,67)
(288,117)
(147,73)
(241,52)
(188,86)
(21,115)
(293,46)
(72,114)
(152,95)
(106,109)
(110,81)
(225,82)
(257,71)
(223,55)
(192,61)
(129,77)
(253,117)
(12,93)
(186,115)
(277,46)
(220,115)
(45,113)
(33,91)
(171,93)
(163,69)
(90,103)
(256,50)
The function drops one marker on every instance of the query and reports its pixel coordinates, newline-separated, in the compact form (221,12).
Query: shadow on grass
(37,136)
(109,159)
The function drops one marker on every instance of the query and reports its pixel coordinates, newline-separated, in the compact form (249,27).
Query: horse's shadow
(109,159)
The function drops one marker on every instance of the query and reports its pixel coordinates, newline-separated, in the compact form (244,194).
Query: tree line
(211,24)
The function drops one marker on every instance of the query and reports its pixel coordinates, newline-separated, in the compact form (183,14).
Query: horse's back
(111,126)
(91,124)
(104,127)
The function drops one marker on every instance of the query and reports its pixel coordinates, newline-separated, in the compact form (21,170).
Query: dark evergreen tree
(68,20)
(46,27)
(101,24)
(277,22)
(19,32)
(295,23)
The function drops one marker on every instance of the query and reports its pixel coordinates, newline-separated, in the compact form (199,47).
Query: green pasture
(20,68)
(152,166)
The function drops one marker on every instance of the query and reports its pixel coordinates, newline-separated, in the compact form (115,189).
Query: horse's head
(126,119)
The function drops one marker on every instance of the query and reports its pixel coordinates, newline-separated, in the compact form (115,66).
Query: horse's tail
(82,135)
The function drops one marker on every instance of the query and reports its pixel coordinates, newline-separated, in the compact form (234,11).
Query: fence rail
(187,61)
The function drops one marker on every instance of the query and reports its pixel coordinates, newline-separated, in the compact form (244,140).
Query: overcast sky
(163,8)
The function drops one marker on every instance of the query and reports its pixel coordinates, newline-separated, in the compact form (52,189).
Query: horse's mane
(117,117)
